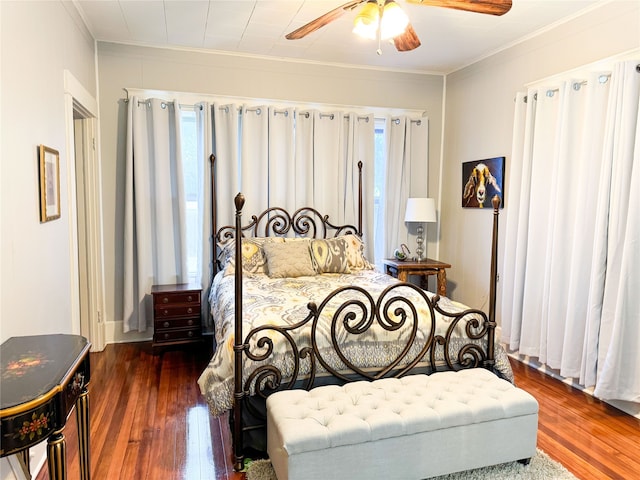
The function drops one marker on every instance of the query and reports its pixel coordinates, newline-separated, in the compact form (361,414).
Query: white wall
(479,124)
(39,40)
(123,66)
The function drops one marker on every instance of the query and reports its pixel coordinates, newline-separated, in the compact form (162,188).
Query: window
(192,185)
(379,187)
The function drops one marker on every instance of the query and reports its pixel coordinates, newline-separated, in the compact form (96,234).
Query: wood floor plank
(590,438)
(148,421)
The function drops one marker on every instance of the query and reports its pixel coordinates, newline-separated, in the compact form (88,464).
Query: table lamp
(420,210)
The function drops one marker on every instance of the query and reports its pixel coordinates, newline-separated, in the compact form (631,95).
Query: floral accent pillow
(330,255)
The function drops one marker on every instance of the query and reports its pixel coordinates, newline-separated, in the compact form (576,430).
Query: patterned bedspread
(283,301)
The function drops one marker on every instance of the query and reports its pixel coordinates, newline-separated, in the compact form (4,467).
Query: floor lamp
(420,211)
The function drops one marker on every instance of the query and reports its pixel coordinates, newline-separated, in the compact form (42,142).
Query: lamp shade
(390,18)
(420,210)
(366,22)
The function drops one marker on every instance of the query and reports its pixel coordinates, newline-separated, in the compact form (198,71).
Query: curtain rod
(187,98)
(258,111)
(396,121)
(577,85)
(165,103)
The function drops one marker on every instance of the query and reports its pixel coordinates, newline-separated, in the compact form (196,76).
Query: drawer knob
(165,300)
(190,334)
(190,298)
(165,312)
(166,336)
(189,310)
(190,322)
(166,324)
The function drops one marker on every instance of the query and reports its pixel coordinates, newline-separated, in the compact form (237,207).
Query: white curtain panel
(571,255)
(227,151)
(364,151)
(254,164)
(516,221)
(304,128)
(589,152)
(328,168)
(618,363)
(155,249)
(397,185)
(282,159)
(206,251)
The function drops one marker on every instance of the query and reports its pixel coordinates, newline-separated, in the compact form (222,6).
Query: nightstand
(402,269)
(176,314)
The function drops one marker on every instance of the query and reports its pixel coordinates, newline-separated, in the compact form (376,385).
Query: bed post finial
(495,201)
(239,202)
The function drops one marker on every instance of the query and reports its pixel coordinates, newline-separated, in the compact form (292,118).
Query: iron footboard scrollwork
(339,340)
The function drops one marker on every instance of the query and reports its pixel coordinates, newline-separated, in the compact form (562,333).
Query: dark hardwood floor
(149,421)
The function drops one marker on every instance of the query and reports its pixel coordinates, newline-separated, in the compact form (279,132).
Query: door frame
(77,99)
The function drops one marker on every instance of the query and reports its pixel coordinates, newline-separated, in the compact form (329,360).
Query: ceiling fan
(384,19)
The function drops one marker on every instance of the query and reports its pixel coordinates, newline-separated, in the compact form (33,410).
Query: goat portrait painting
(481,180)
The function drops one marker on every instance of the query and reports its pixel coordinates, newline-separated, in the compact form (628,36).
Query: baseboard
(114,334)
(630,408)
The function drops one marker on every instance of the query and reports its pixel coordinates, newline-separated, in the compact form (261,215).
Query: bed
(314,311)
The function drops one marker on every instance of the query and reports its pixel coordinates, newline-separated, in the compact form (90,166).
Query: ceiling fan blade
(407,41)
(323,20)
(490,7)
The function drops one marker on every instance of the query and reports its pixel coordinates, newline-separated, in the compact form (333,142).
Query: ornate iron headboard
(278,222)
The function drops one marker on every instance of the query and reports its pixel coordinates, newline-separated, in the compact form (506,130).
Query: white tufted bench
(415,427)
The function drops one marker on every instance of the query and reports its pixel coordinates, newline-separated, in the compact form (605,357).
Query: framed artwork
(49,183)
(481,180)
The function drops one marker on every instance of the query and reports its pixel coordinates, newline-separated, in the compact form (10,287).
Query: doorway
(85,214)
(79,135)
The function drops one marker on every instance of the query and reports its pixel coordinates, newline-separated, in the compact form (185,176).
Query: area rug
(541,467)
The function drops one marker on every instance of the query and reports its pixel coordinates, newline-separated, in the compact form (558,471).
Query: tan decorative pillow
(289,259)
(330,255)
(355,253)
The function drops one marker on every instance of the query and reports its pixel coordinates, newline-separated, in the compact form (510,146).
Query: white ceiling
(451,39)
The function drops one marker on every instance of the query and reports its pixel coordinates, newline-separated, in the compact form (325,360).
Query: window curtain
(407,142)
(154,230)
(571,265)
(292,158)
(226,148)
(283,168)
(204,127)
(254,163)
(361,129)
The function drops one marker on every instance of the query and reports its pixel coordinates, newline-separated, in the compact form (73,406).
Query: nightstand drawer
(161,324)
(178,297)
(177,311)
(177,335)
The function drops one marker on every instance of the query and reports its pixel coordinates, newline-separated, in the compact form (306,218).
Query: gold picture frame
(49,183)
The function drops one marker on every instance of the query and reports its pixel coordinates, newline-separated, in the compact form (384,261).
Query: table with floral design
(43,378)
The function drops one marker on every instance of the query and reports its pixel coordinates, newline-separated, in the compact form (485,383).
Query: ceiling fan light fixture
(394,21)
(366,22)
